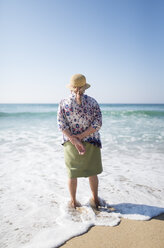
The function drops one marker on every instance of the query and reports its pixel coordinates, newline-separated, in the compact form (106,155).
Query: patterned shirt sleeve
(61,118)
(97,122)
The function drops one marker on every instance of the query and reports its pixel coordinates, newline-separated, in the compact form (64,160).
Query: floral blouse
(77,118)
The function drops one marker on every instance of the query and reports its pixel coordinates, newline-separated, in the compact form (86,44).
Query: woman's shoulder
(91,100)
(64,101)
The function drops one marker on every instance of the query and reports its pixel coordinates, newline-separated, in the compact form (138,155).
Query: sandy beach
(128,234)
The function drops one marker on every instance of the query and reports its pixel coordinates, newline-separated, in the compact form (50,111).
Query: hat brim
(85,87)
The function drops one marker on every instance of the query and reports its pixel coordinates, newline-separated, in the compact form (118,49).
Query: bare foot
(100,204)
(74,204)
(94,203)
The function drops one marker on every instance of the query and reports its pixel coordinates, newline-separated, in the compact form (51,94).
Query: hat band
(79,84)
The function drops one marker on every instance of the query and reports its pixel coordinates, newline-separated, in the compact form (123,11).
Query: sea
(34,196)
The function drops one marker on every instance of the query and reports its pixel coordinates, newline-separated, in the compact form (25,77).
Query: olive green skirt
(85,165)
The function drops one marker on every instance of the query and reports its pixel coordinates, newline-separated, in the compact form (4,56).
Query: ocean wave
(144,113)
(115,113)
(28,114)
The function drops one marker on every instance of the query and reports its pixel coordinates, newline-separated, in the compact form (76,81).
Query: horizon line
(98,102)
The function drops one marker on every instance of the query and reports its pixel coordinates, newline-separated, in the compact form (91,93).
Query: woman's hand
(78,144)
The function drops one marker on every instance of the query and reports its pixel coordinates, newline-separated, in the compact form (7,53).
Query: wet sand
(128,234)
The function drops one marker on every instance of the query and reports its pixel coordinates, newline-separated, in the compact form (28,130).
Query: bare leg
(93,181)
(72,184)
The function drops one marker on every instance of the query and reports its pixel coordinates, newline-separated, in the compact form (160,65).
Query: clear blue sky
(117,44)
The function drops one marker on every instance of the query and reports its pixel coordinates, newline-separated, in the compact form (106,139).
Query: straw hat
(78,80)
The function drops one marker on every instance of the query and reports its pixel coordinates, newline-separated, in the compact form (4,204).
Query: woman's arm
(75,141)
(95,125)
(64,127)
(72,138)
(86,133)
(67,133)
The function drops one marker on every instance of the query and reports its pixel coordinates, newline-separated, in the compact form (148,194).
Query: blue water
(41,110)
(128,124)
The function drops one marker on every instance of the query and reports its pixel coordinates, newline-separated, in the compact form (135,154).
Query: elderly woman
(79,118)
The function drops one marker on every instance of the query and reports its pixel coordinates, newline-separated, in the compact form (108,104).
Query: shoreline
(127,234)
